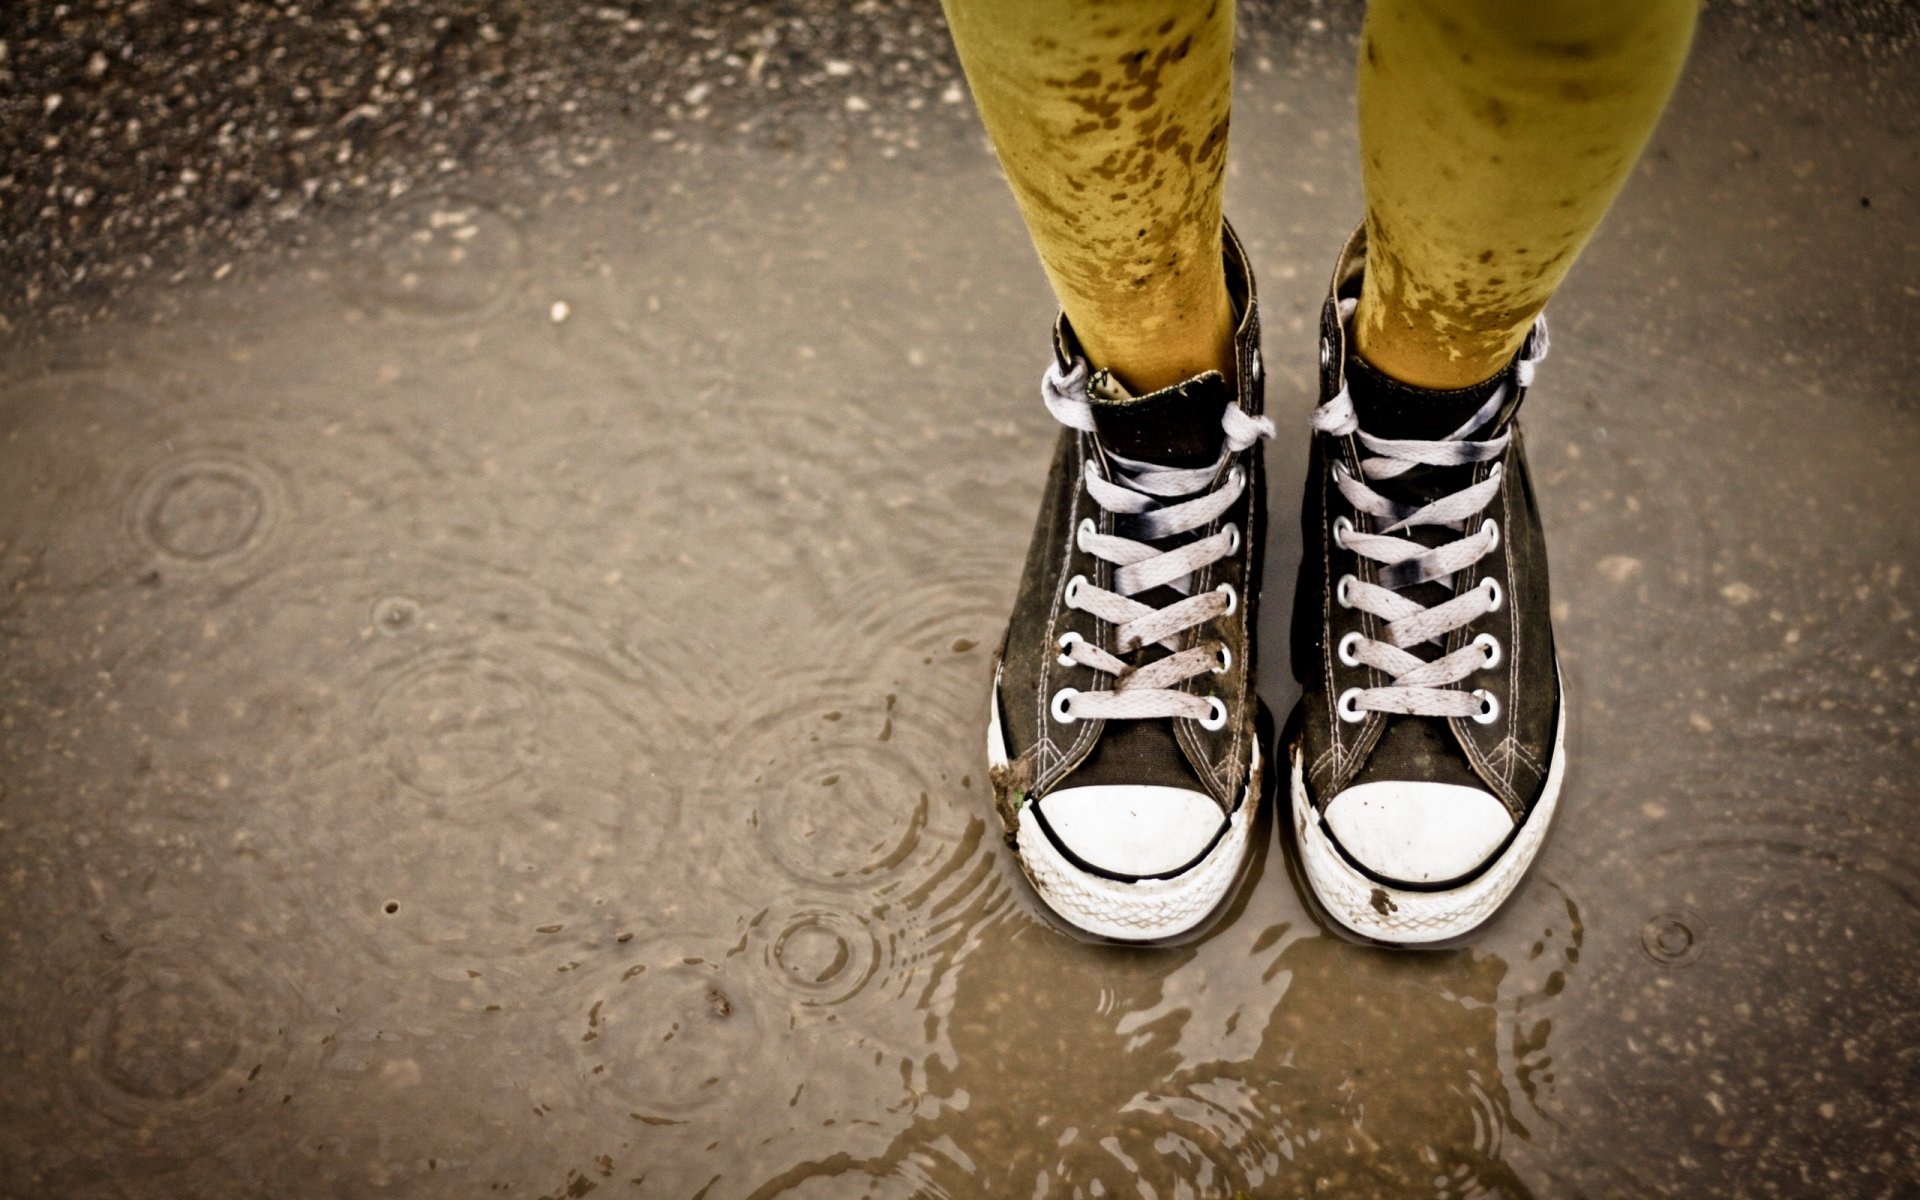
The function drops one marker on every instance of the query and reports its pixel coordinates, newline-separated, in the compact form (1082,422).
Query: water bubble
(395,615)
(1673,938)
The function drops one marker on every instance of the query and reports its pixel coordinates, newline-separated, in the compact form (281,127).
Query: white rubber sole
(1410,918)
(1149,910)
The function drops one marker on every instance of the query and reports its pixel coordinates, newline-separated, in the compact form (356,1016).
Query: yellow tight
(1110,119)
(1494,135)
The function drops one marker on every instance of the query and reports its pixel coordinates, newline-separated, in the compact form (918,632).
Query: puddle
(496,708)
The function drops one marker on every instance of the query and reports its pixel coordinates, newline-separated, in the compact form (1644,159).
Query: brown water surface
(494,706)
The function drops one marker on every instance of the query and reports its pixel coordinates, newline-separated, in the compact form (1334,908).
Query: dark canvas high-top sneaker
(1122,744)
(1426,752)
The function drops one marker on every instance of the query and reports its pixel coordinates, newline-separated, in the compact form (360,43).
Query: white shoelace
(1421,687)
(1152,503)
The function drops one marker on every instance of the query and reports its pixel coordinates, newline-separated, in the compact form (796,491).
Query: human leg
(1110,120)
(1122,742)
(1494,135)
(1428,750)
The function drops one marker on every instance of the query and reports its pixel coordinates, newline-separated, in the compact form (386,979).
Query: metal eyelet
(1061,699)
(1491,646)
(1086,530)
(1341,528)
(1067,639)
(1342,592)
(1491,526)
(1233,539)
(1489,707)
(1495,597)
(1345,649)
(1235,476)
(1233,599)
(1255,366)
(1216,718)
(1073,590)
(1349,706)
(1226,660)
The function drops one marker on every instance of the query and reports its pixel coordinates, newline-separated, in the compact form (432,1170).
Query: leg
(1111,123)
(1494,134)
(1429,747)
(1123,742)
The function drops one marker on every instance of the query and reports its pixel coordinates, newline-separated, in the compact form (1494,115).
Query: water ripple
(673,1032)
(837,786)
(205,508)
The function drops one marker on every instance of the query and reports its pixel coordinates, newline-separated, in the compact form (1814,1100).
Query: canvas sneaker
(1122,739)
(1426,753)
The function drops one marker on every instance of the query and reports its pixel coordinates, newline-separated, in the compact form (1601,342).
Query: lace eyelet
(1492,527)
(1342,592)
(1341,528)
(1346,648)
(1489,708)
(1491,647)
(1235,476)
(1495,597)
(1216,718)
(1086,530)
(1233,599)
(1349,707)
(1226,660)
(1233,540)
(1067,639)
(1059,708)
(1255,366)
(1073,590)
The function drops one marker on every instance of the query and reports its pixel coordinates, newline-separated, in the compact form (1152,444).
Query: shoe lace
(1421,687)
(1151,503)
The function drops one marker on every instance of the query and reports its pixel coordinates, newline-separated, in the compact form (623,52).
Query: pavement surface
(507,514)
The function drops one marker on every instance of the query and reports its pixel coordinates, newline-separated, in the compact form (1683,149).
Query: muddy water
(496,709)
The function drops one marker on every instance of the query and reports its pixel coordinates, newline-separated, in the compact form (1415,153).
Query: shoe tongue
(1388,408)
(1177,426)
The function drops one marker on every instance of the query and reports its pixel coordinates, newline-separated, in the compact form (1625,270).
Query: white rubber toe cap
(1135,830)
(1416,832)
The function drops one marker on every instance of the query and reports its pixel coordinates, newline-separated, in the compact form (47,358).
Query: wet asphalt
(507,510)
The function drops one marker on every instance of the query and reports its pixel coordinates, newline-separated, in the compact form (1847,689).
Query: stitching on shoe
(1326,621)
(1463,736)
(1214,769)
(1513,608)
(1526,756)
(1042,703)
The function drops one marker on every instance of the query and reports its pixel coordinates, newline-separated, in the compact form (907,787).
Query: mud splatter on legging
(1110,120)
(1494,135)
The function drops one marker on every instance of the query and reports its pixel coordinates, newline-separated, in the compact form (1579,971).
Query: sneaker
(1426,751)
(1122,741)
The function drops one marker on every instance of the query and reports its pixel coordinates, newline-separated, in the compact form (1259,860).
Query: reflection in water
(1365,1073)
(448,752)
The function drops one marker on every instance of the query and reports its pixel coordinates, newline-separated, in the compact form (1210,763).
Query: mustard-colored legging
(1493,135)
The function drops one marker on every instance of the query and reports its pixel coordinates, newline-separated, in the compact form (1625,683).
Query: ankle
(1150,360)
(1409,349)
